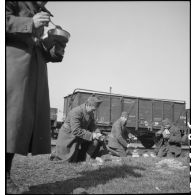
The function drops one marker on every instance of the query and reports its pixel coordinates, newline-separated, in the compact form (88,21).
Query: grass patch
(135,175)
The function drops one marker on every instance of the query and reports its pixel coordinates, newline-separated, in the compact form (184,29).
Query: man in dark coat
(117,140)
(161,148)
(79,138)
(174,146)
(168,140)
(27,94)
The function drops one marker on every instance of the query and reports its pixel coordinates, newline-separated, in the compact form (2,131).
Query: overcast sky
(138,48)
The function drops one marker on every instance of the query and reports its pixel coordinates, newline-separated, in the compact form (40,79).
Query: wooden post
(152,115)
(122,104)
(137,115)
(110,118)
(162,111)
(172,108)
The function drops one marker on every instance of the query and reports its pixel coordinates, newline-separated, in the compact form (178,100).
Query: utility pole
(110,105)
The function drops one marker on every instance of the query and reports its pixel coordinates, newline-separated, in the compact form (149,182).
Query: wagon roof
(87,91)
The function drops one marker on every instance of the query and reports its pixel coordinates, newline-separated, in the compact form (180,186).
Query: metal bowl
(59,34)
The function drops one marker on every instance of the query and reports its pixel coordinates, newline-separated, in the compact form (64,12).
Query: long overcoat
(118,136)
(76,130)
(27,94)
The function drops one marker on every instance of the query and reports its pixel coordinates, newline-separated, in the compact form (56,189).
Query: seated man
(78,138)
(162,137)
(174,142)
(169,140)
(117,141)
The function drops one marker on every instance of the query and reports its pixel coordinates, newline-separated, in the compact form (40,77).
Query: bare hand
(166,133)
(96,135)
(128,145)
(41,19)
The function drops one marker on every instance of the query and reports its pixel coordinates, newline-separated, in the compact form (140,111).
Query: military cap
(94,101)
(125,114)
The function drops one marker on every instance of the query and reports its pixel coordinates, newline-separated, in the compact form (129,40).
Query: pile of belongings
(100,161)
(135,153)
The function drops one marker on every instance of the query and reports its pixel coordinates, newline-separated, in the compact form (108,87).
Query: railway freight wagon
(145,114)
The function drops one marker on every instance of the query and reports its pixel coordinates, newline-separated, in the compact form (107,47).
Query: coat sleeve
(118,134)
(175,136)
(75,124)
(126,134)
(14,23)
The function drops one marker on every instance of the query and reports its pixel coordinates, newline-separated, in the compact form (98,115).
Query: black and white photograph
(97,97)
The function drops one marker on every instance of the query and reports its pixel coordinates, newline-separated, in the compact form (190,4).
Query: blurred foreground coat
(76,130)
(118,137)
(28,107)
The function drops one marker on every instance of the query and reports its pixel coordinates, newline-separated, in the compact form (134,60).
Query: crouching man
(162,137)
(117,140)
(169,140)
(78,138)
(175,139)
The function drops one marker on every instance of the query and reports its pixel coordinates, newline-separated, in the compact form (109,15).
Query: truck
(145,114)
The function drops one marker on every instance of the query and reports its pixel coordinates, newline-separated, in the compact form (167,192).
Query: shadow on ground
(86,179)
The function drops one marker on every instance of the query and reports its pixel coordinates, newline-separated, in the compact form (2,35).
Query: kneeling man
(168,140)
(78,138)
(117,141)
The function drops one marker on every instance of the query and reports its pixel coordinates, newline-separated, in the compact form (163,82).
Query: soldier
(27,94)
(162,137)
(117,140)
(169,140)
(79,138)
(174,141)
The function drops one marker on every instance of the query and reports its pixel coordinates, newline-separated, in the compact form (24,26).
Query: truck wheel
(147,143)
